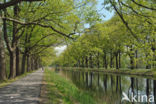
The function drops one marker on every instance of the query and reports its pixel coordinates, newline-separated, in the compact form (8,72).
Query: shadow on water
(110,88)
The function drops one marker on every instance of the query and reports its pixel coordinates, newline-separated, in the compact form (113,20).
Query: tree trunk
(132,62)
(14,46)
(12,65)
(86,62)
(39,63)
(90,61)
(117,65)
(111,59)
(105,60)
(132,58)
(2,57)
(82,62)
(17,62)
(98,60)
(2,48)
(28,64)
(36,63)
(78,63)
(148,66)
(119,59)
(23,63)
(136,56)
(154,55)
(32,63)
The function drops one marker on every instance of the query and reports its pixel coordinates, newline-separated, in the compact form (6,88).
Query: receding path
(23,91)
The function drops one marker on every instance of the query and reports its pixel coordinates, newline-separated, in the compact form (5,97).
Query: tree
(2,55)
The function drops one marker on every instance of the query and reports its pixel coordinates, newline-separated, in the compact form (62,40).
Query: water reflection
(110,88)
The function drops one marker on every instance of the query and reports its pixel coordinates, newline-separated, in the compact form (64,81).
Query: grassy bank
(63,91)
(136,72)
(8,81)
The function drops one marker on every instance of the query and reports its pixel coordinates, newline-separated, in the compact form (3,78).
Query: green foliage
(111,37)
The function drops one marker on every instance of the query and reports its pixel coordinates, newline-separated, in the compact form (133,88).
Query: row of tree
(128,40)
(30,29)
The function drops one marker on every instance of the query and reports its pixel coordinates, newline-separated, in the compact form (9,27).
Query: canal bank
(109,88)
(63,91)
(148,73)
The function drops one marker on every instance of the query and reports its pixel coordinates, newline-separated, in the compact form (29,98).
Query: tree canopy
(31,29)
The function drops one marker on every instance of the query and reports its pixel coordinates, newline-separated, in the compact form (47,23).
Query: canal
(113,89)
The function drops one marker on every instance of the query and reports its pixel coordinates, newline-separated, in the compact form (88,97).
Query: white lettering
(137,98)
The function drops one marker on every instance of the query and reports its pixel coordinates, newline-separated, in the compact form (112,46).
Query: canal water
(114,89)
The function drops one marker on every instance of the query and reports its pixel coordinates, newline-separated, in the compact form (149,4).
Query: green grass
(64,91)
(8,81)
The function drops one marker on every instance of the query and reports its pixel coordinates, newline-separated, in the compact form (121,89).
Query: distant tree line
(128,40)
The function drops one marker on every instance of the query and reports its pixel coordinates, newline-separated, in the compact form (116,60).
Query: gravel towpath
(23,91)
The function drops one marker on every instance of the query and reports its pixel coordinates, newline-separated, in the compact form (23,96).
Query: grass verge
(61,90)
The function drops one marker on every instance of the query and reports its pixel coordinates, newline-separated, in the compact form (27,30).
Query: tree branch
(142,5)
(123,20)
(41,25)
(131,8)
(14,2)
(40,40)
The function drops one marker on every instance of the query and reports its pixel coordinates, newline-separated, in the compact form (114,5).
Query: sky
(60,49)
(107,16)
(103,11)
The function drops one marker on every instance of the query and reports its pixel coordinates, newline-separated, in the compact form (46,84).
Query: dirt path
(23,91)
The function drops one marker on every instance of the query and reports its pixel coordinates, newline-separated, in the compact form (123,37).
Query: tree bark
(12,65)
(13,47)
(90,61)
(36,63)
(82,62)
(154,55)
(105,60)
(98,60)
(78,63)
(23,63)
(32,63)
(2,57)
(17,62)
(119,59)
(132,58)
(111,59)
(14,2)
(148,66)
(28,64)
(86,62)
(117,63)
(136,56)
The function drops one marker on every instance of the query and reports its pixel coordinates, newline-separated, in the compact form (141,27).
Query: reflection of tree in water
(154,90)
(140,87)
(109,88)
(86,79)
